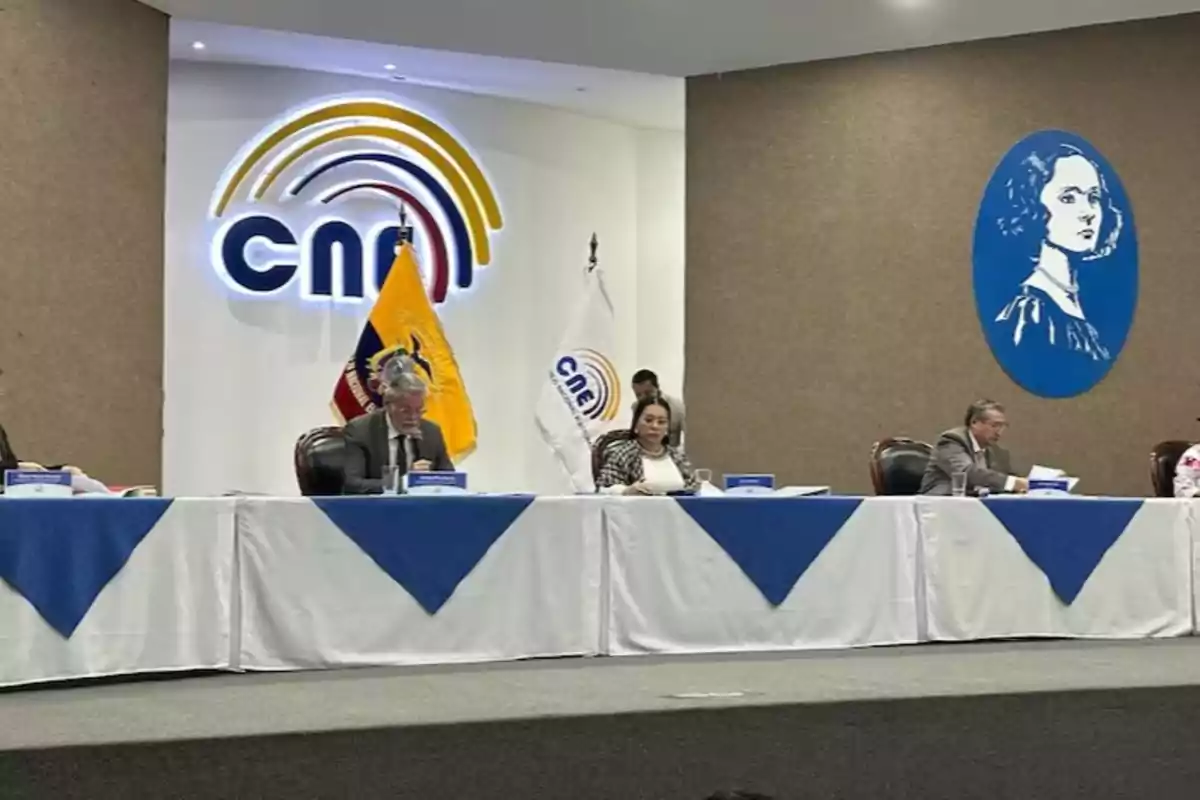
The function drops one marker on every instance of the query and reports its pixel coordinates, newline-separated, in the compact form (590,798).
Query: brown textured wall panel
(830,209)
(83,91)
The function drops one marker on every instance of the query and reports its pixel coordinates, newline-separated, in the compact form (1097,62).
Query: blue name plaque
(436,482)
(37,483)
(1050,486)
(749,484)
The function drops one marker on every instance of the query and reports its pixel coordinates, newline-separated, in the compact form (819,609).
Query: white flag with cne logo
(582,394)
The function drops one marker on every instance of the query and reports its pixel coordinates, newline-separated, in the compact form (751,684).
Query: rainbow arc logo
(276,209)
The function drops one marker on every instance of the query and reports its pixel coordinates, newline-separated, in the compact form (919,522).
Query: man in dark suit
(395,434)
(974,449)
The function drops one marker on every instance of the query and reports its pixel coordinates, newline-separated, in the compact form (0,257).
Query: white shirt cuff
(1009,483)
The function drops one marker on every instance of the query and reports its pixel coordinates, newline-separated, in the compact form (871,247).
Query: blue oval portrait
(1055,264)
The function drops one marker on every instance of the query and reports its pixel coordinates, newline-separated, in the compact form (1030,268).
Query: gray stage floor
(257,704)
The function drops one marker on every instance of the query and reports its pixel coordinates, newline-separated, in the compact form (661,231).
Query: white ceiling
(667,37)
(631,98)
(634,52)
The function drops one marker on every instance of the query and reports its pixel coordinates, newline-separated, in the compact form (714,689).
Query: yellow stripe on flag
(403,316)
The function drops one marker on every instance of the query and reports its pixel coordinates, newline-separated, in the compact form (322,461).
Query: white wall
(243,378)
(660,255)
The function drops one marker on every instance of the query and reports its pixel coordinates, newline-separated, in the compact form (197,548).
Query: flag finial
(406,231)
(593,258)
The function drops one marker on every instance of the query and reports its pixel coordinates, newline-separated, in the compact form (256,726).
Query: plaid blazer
(622,466)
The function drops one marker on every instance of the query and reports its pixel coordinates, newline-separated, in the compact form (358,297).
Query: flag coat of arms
(581,396)
(403,322)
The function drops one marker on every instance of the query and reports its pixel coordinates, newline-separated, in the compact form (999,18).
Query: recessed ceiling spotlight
(400,78)
(198,45)
(390,67)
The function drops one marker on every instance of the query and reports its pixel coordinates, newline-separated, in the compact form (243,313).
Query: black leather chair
(897,465)
(1163,459)
(320,456)
(601,445)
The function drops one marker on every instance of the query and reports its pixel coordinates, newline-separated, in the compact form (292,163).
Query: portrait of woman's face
(1073,199)
(1054,264)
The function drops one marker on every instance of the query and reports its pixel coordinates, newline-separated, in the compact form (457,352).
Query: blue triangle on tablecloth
(426,544)
(60,554)
(772,540)
(1065,538)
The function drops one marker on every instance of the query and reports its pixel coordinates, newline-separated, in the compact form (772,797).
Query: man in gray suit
(395,434)
(974,450)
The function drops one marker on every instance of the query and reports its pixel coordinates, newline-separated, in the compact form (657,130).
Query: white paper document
(801,491)
(1040,473)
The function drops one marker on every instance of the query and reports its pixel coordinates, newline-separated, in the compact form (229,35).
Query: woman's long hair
(642,405)
(1026,218)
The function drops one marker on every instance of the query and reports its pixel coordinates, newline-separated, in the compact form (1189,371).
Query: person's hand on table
(422,465)
(639,489)
(73,470)
(1021,486)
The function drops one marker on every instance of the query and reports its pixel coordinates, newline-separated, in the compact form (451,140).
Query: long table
(95,587)
(354,581)
(99,587)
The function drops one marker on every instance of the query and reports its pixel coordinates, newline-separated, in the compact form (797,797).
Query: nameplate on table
(749,484)
(37,483)
(436,482)
(1050,487)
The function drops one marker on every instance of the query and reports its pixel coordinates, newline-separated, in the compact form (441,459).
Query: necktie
(409,452)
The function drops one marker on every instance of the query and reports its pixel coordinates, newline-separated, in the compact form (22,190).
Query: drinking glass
(703,476)
(958,483)
(391,479)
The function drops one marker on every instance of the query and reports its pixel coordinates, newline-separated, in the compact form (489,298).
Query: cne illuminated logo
(588,380)
(288,210)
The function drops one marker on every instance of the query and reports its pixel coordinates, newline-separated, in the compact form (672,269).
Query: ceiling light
(390,67)
(198,45)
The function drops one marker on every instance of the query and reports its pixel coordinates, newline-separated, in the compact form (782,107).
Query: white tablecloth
(162,605)
(736,574)
(313,596)
(1123,568)
(104,587)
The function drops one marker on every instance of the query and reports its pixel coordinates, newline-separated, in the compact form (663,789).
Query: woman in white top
(645,464)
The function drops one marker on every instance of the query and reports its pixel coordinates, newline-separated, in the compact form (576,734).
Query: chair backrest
(1163,460)
(898,465)
(603,444)
(320,456)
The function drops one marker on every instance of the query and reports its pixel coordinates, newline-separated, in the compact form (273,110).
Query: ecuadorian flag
(403,322)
